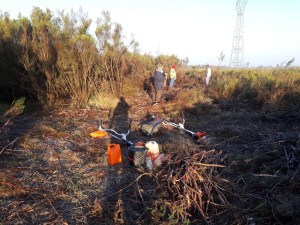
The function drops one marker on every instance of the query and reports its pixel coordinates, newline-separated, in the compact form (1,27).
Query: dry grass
(17,107)
(56,173)
(105,101)
(272,88)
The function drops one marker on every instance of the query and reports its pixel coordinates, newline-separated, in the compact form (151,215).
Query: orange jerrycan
(114,154)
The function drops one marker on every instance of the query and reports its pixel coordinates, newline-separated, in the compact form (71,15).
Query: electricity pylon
(237,51)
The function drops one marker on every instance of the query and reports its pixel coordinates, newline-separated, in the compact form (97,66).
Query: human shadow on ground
(148,87)
(121,188)
(119,113)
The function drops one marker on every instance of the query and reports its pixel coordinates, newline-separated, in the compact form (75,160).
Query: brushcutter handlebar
(123,135)
(179,126)
(196,136)
(115,134)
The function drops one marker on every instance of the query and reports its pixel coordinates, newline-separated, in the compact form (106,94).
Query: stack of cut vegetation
(190,188)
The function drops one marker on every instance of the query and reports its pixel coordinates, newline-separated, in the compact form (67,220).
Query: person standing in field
(172,76)
(208,74)
(159,83)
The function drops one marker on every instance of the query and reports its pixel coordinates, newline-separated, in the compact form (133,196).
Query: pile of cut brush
(191,188)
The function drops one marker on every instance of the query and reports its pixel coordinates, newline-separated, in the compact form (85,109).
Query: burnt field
(53,172)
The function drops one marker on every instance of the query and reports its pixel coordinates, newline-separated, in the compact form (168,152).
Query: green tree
(113,58)
(167,61)
(77,57)
(39,55)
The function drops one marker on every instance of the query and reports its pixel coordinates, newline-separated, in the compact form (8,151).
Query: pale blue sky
(196,29)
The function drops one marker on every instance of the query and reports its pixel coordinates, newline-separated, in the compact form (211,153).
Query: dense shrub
(52,58)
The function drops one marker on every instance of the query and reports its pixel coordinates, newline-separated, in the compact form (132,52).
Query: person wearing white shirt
(208,74)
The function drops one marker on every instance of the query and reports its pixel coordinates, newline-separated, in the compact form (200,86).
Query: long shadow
(120,114)
(148,87)
(122,197)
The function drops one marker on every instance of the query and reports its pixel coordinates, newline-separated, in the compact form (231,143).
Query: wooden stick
(10,144)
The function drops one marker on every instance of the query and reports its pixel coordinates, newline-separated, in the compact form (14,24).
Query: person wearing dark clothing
(159,78)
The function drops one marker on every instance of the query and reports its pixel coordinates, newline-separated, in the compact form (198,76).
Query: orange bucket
(114,154)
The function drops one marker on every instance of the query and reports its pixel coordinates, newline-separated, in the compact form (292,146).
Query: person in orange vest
(172,76)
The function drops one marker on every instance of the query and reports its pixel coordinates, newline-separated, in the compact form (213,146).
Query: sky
(197,29)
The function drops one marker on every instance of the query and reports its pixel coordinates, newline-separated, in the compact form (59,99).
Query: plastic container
(114,154)
(153,151)
(137,154)
(149,163)
(159,159)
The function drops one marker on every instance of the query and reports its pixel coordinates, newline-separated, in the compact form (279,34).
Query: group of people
(160,80)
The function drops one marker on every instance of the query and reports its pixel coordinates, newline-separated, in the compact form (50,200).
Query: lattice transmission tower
(237,51)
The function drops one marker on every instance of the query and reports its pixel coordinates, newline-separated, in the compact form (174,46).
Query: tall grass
(269,87)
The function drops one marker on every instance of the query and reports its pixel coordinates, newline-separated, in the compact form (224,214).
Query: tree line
(50,57)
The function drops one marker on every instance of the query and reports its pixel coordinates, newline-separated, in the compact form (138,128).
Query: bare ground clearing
(56,173)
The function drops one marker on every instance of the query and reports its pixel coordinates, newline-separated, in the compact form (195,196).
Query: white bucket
(153,151)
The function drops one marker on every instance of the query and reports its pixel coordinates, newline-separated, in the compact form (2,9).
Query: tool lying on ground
(136,151)
(101,132)
(151,127)
(197,136)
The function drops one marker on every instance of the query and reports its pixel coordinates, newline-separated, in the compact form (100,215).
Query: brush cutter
(197,136)
(137,152)
(101,132)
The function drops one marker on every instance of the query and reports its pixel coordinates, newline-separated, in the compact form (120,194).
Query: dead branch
(8,145)
(188,177)
(4,125)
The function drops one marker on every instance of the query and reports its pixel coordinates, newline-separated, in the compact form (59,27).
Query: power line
(237,51)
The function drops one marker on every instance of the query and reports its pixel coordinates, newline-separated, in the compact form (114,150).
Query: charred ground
(52,171)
